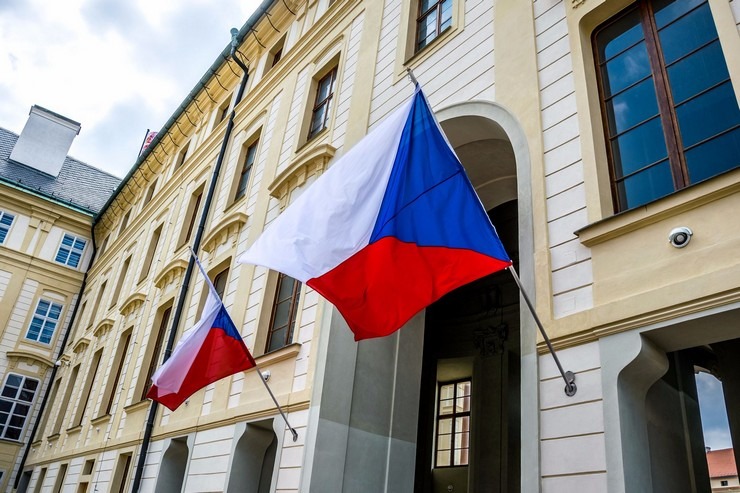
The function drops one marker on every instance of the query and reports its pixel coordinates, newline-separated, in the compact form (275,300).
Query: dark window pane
(287,285)
(669,10)
(631,107)
(638,148)
(619,36)
(646,186)
(714,157)
(697,72)
(427,29)
(12,433)
(282,312)
(425,4)
(317,121)
(26,395)
(10,392)
(687,34)
(708,114)
(5,406)
(277,339)
(626,69)
(17,421)
(324,89)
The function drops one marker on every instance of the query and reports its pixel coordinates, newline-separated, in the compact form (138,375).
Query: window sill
(10,441)
(132,408)
(53,438)
(664,208)
(74,429)
(105,418)
(282,354)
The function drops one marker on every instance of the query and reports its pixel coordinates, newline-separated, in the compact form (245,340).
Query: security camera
(58,363)
(680,237)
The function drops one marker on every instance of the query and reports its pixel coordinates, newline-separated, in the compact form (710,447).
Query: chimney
(45,141)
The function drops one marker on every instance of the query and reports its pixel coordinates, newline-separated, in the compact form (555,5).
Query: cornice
(81,345)
(170,272)
(132,303)
(29,357)
(103,327)
(310,161)
(36,265)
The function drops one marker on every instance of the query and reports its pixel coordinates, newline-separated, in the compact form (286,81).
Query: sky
(118,67)
(713,413)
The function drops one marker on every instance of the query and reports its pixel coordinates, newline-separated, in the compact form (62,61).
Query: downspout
(55,368)
(191,263)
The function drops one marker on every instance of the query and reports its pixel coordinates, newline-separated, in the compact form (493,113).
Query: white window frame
(45,321)
(15,401)
(71,249)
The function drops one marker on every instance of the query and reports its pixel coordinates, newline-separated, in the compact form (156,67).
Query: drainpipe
(55,368)
(191,263)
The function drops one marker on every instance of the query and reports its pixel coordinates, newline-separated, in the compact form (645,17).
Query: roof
(79,185)
(721,463)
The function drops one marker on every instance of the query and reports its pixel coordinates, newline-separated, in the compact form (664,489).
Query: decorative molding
(132,303)
(491,340)
(170,272)
(285,352)
(29,358)
(227,227)
(81,345)
(103,327)
(577,3)
(311,161)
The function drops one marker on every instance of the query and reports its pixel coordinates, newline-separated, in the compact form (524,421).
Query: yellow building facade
(609,169)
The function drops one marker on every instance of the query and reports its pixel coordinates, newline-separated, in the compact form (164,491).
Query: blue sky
(116,66)
(713,414)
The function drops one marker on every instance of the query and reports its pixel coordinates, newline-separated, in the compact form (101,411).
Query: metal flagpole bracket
(568,376)
(264,377)
(411,76)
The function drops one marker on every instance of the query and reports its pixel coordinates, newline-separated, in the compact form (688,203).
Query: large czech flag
(210,351)
(390,228)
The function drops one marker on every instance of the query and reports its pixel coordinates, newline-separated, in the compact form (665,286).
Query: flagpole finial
(411,76)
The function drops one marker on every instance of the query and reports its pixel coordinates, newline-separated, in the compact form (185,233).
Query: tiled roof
(721,463)
(78,184)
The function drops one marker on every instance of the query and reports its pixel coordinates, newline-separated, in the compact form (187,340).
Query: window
(103,246)
(120,476)
(6,220)
(155,357)
(118,361)
(276,53)
(223,110)
(724,482)
(219,282)
(15,404)
(245,170)
(150,192)
(149,259)
(65,399)
(98,302)
(183,155)
(434,18)
(670,113)
(453,424)
(70,251)
(322,106)
(282,320)
(49,408)
(61,475)
(40,480)
(44,321)
(124,222)
(119,282)
(191,215)
(85,397)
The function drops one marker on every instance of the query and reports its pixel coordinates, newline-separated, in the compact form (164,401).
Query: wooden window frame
(323,103)
(453,416)
(292,312)
(164,322)
(242,183)
(666,105)
(124,342)
(422,15)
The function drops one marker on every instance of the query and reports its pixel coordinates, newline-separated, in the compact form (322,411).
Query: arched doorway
(471,441)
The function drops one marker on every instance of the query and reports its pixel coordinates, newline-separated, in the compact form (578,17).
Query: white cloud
(117,67)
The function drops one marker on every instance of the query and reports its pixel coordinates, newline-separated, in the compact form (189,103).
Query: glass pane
(21,410)
(5,405)
(324,89)
(714,157)
(447,391)
(697,72)
(42,308)
(626,69)
(55,310)
(631,107)
(444,442)
(286,288)
(639,147)
(462,424)
(669,10)
(445,406)
(317,121)
(463,404)
(282,312)
(446,16)
(461,457)
(708,114)
(687,34)
(426,4)
(444,426)
(427,29)
(67,240)
(14,380)
(30,384)
(277,339)
(17,421)
(4,418)
(463,388)
(620,35)
(646,186)
(12,433)
(10,392)
(443,458)
(26,395)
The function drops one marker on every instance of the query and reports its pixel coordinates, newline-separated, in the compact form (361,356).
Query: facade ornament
(491,340)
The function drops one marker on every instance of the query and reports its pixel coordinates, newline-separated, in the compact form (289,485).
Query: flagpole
(568,376)
(280,409)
